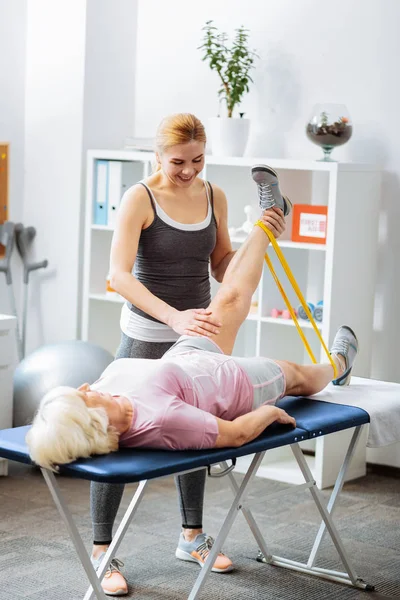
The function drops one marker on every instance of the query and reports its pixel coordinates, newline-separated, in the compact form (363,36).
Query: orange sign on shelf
(309,223)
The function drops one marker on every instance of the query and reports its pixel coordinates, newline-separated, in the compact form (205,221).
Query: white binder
(100,211)
(120,177)
(114,190)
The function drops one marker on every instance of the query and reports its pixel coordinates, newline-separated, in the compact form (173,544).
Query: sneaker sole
(289,204)
(117,593)
(182,555)
(264,168)
(344,379)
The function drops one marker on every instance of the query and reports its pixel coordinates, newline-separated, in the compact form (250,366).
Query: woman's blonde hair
(65,429)
(179,128)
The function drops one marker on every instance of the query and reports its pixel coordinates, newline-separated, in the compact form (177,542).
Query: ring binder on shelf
(100,201)
(121,175)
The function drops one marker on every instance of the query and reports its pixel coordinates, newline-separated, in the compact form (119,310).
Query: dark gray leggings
(105,498)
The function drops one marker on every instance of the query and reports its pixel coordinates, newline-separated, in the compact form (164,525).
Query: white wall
(79,94)
(109,93)
(309,52)
(53,158)
(109,73)
(12,121)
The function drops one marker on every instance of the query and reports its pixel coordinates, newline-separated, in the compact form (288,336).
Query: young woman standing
(171,231)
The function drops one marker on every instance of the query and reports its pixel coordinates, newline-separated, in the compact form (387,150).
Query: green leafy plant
(232,64)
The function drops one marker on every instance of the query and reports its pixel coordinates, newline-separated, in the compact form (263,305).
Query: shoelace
(116,564)
(266,196)
(205,547)
(114,567)
(341,347)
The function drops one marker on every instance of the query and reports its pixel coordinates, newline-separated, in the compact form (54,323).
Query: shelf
(250,317)
(290,164)
(239,240)
(107,298)
(135,155)
(101,228)
(289,322)
(287,244)
(243,161)
(301,245)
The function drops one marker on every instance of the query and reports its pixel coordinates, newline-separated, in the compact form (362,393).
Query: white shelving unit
(341,272)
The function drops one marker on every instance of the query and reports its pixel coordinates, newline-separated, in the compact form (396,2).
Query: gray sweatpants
(105,498)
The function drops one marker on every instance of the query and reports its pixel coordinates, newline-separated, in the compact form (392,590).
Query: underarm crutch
(24,237)
(7,232)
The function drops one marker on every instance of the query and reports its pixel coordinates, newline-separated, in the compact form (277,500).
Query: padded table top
(130,465)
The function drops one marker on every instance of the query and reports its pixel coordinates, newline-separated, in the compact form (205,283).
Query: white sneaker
(345,344)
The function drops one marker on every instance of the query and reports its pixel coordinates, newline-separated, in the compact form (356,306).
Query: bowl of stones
(329,126)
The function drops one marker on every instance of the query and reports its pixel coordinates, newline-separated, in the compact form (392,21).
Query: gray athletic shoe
(345,344)
(269,194)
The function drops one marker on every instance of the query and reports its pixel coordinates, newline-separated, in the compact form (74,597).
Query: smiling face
(182,163)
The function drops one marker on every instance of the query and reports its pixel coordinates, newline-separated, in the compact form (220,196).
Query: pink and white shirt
(176,399)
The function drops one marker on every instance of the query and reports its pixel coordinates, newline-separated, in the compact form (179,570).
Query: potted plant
(233,64)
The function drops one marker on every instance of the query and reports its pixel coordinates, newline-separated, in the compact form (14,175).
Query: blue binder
(100,196)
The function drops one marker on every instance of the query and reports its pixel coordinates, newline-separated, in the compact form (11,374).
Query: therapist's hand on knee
(195,322)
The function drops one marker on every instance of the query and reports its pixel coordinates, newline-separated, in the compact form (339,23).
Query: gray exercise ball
(63,363)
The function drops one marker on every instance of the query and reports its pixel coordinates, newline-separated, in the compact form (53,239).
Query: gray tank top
(173,263)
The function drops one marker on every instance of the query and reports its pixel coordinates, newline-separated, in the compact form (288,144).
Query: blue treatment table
(313,419)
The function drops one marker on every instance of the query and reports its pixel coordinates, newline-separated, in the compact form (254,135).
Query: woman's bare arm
(134,214)
(249,426)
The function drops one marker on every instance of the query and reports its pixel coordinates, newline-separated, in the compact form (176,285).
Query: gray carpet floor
(38,562)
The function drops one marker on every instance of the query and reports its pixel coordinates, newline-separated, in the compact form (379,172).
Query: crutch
(24,237)
(7,232)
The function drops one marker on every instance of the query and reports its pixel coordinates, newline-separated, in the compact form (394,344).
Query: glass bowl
(329,126)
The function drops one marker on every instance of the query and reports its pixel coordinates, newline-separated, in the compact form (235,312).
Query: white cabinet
(340,272)
(7,364)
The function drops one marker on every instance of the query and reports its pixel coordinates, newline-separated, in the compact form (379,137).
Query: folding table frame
(313,418)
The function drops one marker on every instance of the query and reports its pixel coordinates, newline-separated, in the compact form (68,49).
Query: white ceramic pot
(228,136)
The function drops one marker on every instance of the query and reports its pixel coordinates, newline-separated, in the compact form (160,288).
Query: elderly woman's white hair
(65,429)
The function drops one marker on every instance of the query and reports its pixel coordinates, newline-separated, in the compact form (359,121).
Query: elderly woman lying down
(197,396)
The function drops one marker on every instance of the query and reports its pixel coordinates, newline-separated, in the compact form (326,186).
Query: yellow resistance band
(300,296)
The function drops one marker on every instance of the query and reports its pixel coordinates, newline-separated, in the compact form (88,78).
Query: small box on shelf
(309,223)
